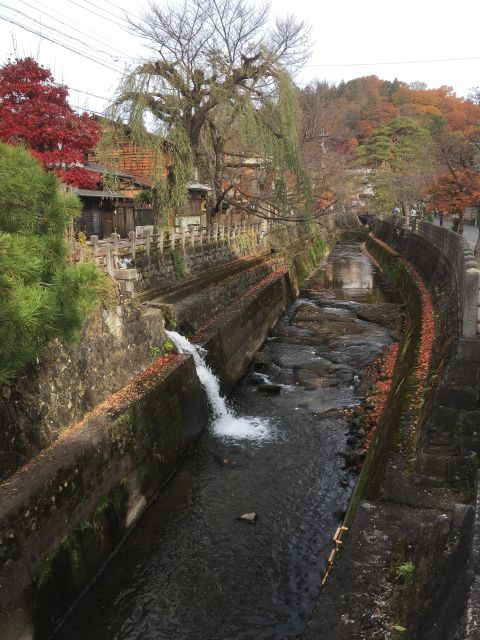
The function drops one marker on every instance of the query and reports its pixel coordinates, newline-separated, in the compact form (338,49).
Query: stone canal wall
(68,381)
(406,567)
(450,441)
(65,511)
(63,514)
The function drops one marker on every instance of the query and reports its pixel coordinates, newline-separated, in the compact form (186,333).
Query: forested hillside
(414,146)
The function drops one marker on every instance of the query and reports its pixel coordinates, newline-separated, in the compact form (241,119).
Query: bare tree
(215,63)
(211,52)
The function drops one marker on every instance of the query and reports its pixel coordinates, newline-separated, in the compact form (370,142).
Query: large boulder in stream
(268,387)
(311,381)
(325,325)
(387,315)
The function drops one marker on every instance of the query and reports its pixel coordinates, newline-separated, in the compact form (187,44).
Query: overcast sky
(395,39)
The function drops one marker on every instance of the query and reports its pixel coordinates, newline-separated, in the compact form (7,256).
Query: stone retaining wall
(63,513)
(450,441)
(67,381)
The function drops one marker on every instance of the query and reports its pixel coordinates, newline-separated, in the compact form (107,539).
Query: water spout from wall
(225,422)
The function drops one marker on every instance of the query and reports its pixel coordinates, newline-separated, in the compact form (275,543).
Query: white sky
(344,32)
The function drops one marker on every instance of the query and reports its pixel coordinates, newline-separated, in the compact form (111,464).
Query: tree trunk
(460,224)
(442,218)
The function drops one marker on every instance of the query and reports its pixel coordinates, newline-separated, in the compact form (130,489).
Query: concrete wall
(450,439)
(68,381)
(61,517)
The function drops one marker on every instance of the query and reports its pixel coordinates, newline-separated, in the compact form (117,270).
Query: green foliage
(154,351)
(399,154)
(44,571)
(144,197)
(41,296)
(245,242)
(404,572)
(168,346)
(274,132)
(394,144)
(177,263)
(168,163)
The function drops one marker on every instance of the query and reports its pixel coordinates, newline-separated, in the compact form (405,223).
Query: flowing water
(223,422)
(191,569)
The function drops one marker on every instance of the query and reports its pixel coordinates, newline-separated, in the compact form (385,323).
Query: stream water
(191,569)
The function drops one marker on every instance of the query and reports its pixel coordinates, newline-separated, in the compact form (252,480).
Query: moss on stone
(388,436)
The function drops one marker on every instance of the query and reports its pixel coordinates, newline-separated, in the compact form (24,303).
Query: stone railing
(461,258)
(108,253)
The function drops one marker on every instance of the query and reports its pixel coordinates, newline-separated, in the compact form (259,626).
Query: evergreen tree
(42,296)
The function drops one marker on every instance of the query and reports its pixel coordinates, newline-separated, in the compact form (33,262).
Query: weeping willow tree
(130,136)
(219,80)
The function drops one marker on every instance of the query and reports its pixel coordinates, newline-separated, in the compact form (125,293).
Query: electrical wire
(87,93)
(64,46)
(56,31)
(377,64)
(115,15)
(90,34)
(133,15)
(77,4)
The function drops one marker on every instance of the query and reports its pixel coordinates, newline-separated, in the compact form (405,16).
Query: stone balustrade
(110,251)
(459,254)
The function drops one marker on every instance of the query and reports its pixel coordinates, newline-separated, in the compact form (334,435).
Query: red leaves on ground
(382,369)
(382,372)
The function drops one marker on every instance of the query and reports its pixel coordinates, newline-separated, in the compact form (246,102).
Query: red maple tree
(34,111)
(454,190)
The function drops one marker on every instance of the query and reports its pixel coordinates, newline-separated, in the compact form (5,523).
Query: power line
(133,15)
(87,93)
(83,109)
(56,31)
(97,14)
(376,64)
(77,29)
(64,46)
(115,15)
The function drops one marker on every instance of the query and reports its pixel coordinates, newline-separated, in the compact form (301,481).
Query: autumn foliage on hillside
(356,125)
(34,112)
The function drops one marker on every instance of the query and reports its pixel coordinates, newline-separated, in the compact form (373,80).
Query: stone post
(182,235)
(131,237)
(115,238)
(161,240)
(147,246)
(109,258)
(94,243)
(201,238)
(470,303)
(215,232)
(222,232)
(192,238)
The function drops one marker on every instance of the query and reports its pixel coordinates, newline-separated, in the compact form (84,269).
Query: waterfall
(225,423)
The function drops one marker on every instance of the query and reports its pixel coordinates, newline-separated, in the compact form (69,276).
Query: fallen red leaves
(381,370)
(121,400)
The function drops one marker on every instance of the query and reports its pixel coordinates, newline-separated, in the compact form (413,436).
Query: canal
(191,569)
